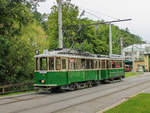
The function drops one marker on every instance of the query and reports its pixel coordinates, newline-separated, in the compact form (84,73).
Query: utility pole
(121,46)
(110,40)
(60,23)
(133,58)
(110,34)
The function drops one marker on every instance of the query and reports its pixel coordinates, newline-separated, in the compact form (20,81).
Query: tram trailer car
(71,69)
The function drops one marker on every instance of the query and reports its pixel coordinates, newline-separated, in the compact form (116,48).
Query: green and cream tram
(72,69)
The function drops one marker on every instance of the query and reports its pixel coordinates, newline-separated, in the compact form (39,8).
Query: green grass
(10,94)
(128,74)
(137,104)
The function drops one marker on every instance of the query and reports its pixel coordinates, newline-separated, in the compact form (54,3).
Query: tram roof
(74,54)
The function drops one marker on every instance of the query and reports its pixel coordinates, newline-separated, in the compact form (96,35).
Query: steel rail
(66,99)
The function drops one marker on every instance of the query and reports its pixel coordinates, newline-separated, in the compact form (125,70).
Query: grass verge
(137,104)
(128,74)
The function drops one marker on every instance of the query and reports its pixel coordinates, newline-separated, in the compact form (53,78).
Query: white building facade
(135,53)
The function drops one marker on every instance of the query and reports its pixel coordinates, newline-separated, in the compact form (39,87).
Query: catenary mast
(60,23)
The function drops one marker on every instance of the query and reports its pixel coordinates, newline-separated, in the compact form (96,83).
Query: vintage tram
(70,69)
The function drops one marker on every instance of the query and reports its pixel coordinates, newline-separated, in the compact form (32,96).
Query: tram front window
(43,63)
(37,64)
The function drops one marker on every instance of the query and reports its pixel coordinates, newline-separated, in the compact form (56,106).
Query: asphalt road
(89,100)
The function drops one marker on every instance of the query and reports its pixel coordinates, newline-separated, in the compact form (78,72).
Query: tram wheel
(72,87)
(55,89)
(89,84)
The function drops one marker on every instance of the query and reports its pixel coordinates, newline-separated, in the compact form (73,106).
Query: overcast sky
(137,10)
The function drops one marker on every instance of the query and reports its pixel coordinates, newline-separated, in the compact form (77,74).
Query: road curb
(118,103)
(121,101)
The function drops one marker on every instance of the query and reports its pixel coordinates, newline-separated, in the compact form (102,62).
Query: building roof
(137,47)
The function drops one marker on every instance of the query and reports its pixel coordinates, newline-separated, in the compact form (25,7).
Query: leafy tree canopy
(87,38)
(20,36)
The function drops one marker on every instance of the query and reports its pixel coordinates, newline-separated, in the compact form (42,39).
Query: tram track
(109,94)
(28,94)
(19,100)
(15,99)
(3,98)
(70,98)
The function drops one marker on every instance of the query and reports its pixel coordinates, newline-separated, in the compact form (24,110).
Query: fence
(27,86)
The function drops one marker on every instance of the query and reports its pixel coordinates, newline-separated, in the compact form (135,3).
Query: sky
(137,10)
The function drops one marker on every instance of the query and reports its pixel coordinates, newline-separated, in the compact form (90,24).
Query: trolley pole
(60,23)
(110,40)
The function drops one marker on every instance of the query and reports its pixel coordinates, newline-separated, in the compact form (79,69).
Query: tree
(77,34)
(20,35)
(70,13)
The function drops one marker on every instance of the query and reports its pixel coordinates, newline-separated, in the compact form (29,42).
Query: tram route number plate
(43,72)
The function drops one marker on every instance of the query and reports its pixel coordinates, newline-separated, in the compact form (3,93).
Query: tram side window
(63,63)
(92,64)
(103,64)
(121,64)
(58,63)
(96,64)
(71,63)
(51,63)
(110,64)
(107,64)
(113,64)
(82,63)
(88,64)
(75,63)
(43,63)
(117,65)
(78,61)
(99,64)
(37,63)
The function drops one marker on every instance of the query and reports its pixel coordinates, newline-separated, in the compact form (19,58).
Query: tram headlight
(42,81)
